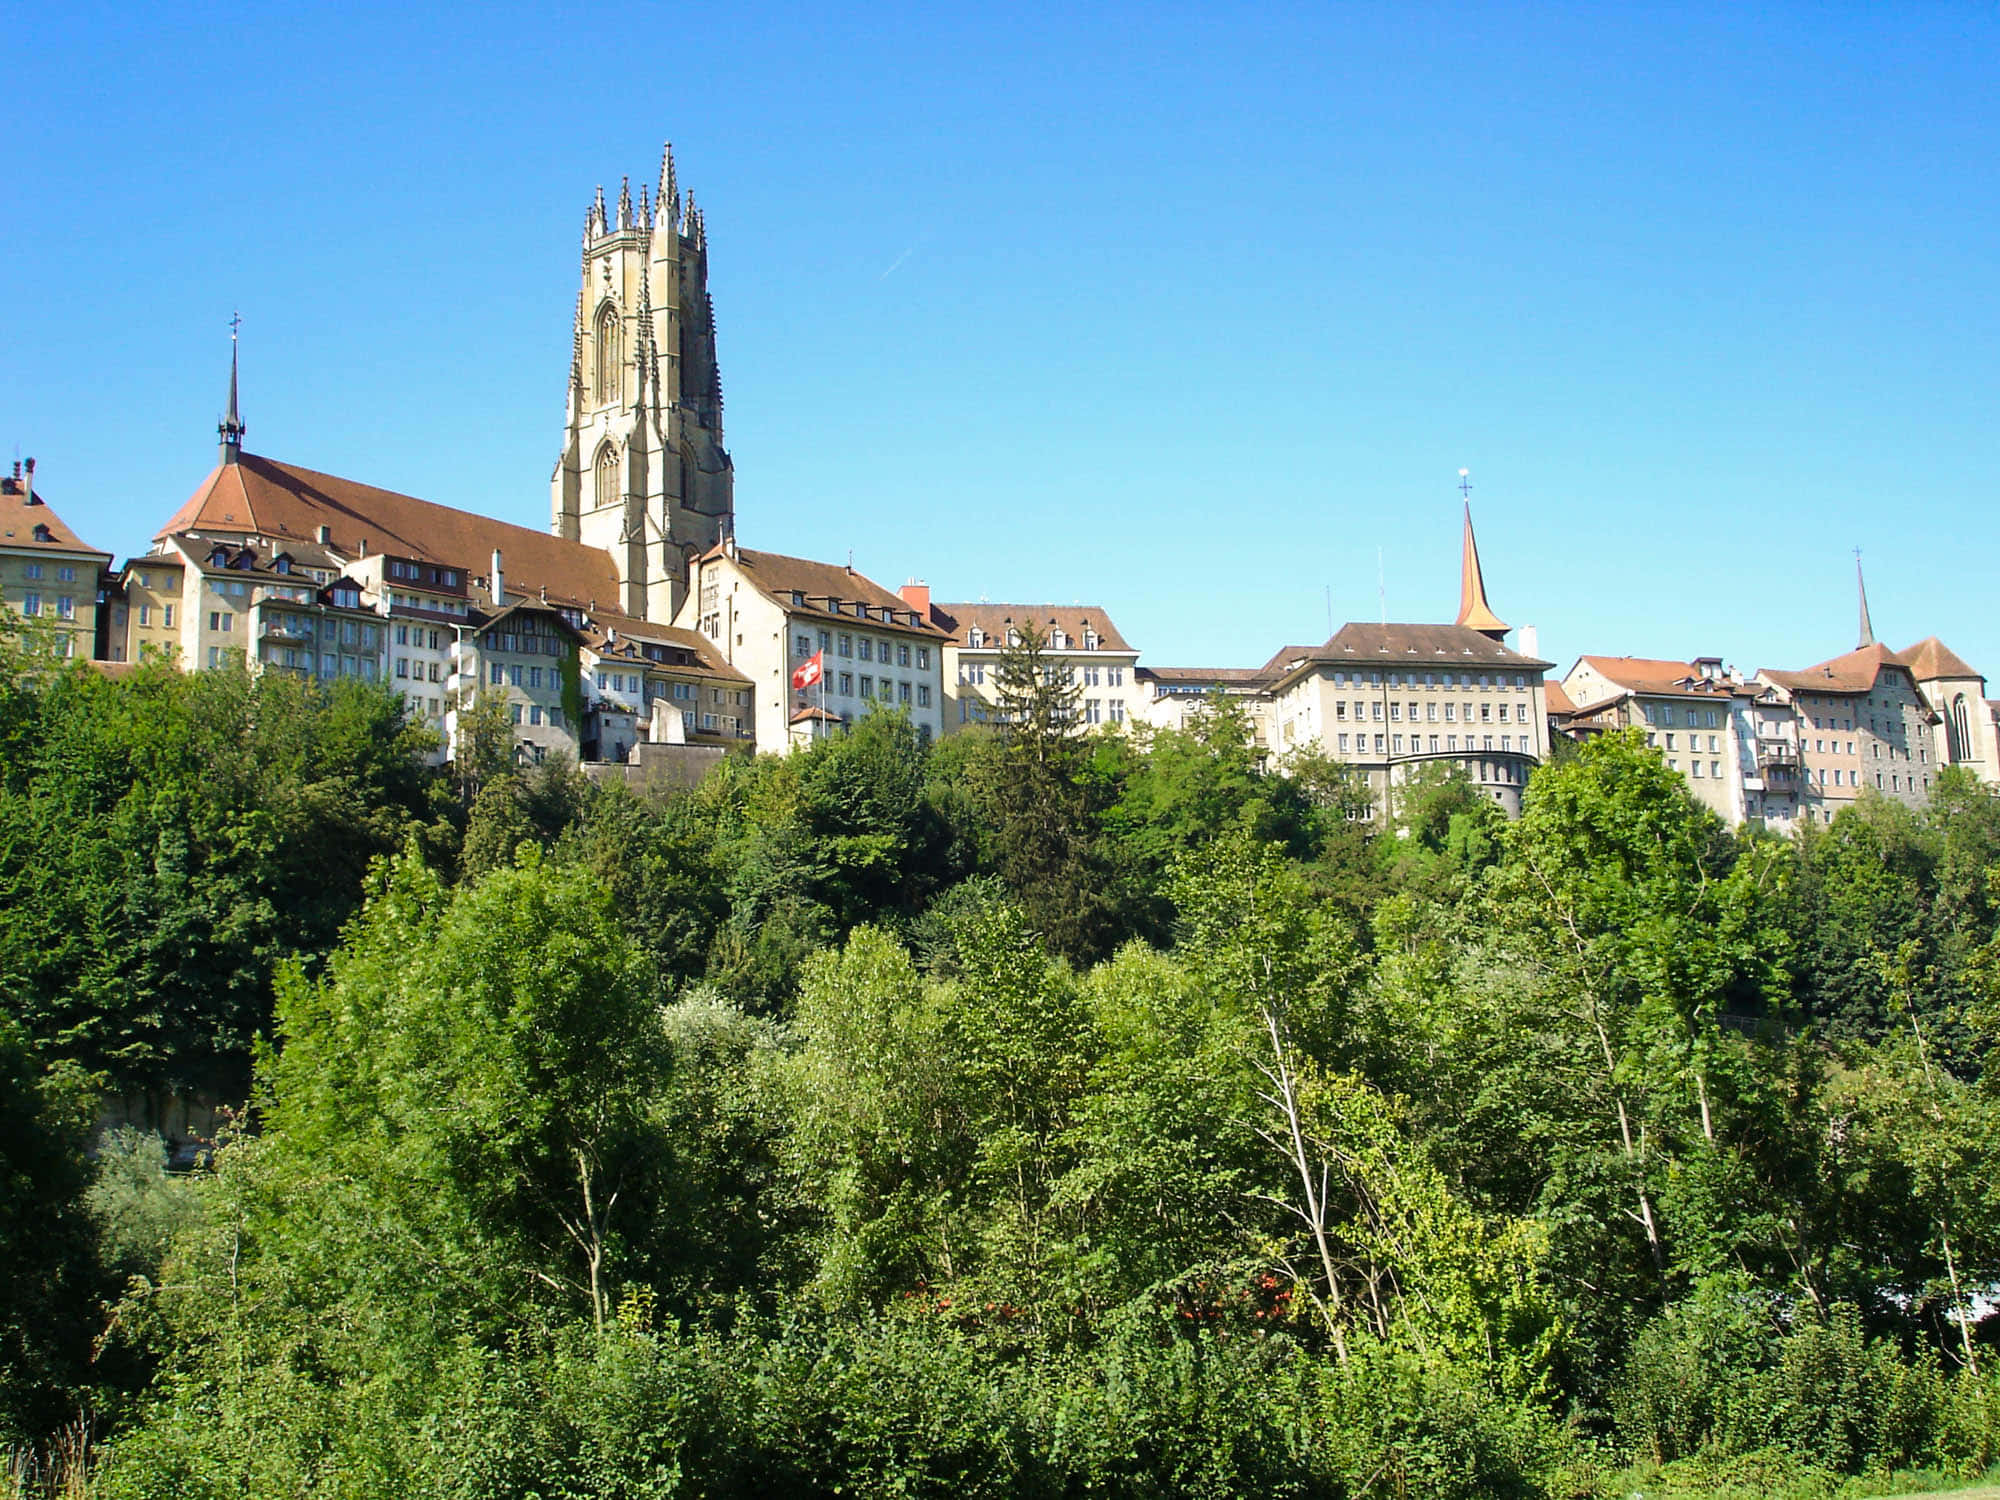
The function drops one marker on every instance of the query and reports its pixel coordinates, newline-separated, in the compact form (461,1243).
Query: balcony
(1778,755)
(295,631)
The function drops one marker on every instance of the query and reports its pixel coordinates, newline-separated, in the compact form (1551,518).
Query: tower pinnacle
(1861,588)
(231,429)
(1473,610)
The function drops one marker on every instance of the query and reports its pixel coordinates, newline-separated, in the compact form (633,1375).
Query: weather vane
(1465,483)
(235,322)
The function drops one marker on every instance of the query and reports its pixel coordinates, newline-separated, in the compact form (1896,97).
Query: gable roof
(994,620)
(279,501)
(1439,643)
(1855,672)
(692,650)
(1554,699)
(1643,674)
(781,578)
(19,518)
(1931,659)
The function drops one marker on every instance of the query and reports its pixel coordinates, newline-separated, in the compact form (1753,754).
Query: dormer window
(219,558)
(798,598)
(43,534)
(1058,641)
(1089,639)
(975,637)
(281,563)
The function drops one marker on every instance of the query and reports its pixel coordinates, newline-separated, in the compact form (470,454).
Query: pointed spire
(230,429)
(598,223)
(645,206)
(1861,588)
(670,188)
(1473,610)
(625,203)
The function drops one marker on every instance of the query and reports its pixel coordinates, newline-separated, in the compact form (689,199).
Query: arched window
(610,356)
(608,488)
(1958,732)
(687,478)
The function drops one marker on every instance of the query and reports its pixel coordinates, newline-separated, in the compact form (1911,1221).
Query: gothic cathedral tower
(643,472)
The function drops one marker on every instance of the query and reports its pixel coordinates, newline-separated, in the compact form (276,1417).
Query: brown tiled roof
(18,520)
(993,619)
(1643,674)
(1282,659)
(1234,676)
(700,652)
(1556,700)
(284,501)
(1853,673)
(1931,659)
(1435,644)
(807,715)
(263,559)
(781,577)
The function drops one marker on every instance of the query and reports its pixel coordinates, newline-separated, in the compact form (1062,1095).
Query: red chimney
(917,594)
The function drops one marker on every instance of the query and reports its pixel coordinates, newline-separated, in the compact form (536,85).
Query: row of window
(1094,712)
(1393,744)
(883,690)
(331,663)
(432,675)
(1481,680)
(1693,742)
(1372,709)
(864,648)
(417,635)
(1695,718)
(62,607)
(64,572)
(535,714)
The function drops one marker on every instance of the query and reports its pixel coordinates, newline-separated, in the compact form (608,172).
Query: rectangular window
(923,657)
(902,656)
(867,683)
(514,674)
(534,677)
(903,691)
(1694,769)
(402,666)
(847,684)
(1715,769)
(1375,712)
(34,570)
(846,644)
(145,614)
(867,649)
(1396,742)
(1451,742)
(402,635)
(534,713)
(923,695)
(1434,744)
(167,616)
(802,646)
(1450,713)
(1343,744)
(514,712)
(555,718)
(66,607)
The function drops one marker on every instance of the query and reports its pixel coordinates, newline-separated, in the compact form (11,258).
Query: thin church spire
(1861,589)
(1473,610)
(231,429)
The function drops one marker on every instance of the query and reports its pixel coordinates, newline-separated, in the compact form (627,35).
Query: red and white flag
(810,670)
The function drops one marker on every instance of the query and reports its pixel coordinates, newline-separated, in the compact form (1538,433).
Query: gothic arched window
(687,478)
(1958,732)
(608,487)
(610,356)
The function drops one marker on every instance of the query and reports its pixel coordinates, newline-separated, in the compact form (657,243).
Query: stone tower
(643,472)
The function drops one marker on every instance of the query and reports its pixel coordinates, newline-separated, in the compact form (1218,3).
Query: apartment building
(658,684)
(769,615)
(1077,639)
(47,572)
(1862,723)
(1172,697)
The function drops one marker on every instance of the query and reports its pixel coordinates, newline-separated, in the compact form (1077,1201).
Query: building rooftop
(27,522)
(798,583)
(1931,659)
(994,620)
(1855,672)
(285,503)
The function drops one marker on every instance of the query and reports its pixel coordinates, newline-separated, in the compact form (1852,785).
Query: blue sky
(1194,312)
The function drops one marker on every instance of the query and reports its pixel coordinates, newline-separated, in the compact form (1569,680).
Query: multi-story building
(769,615)
(658,684)
(1862,723)
(1171,697)
(1956,693)
(527,653)
(1688,710)
(47,572)
(1390,698)
(1076,638)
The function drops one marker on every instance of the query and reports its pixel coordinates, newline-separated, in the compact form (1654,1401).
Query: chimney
(499,592)
(28,485)
(1530,641)
(917,594)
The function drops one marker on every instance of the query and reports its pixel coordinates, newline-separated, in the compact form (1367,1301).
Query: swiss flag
(810,670)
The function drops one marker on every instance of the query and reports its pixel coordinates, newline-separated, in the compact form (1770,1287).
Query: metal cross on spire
(1465,483)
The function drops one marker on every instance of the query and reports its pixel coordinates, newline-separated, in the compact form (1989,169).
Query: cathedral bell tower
(643,472)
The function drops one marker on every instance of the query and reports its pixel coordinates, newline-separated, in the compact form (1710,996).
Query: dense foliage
(1038,1112)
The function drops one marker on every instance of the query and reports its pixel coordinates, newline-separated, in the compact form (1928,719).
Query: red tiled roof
(1555,699)
(1643,674)
(281,501)
(1931,659)
(18,520)
(994,620)
(700,651)
(1856,672)
(780,578)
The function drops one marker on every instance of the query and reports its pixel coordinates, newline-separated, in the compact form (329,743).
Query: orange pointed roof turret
(1473,611)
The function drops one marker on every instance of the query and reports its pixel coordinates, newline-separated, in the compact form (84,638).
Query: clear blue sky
(1188,311)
